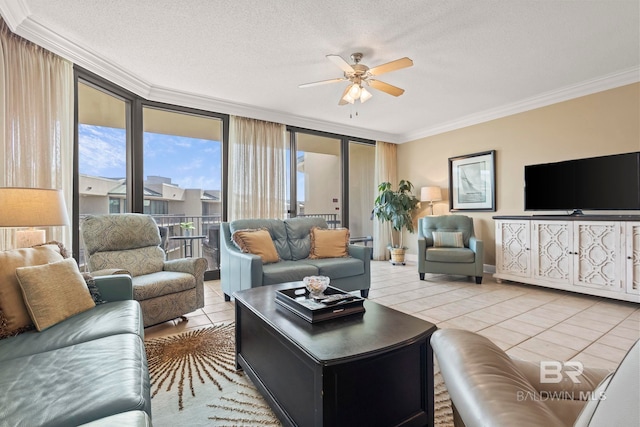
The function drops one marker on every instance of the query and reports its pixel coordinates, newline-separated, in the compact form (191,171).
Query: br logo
(552,371)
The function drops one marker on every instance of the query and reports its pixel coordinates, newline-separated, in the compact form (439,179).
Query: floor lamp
(430,194)
(31,207)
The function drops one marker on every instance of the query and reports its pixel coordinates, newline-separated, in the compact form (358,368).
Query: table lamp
(31,207)
(430,194)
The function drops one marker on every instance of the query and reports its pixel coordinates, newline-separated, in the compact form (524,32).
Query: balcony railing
(331,218)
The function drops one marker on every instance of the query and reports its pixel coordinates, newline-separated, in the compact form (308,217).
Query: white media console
(590,254)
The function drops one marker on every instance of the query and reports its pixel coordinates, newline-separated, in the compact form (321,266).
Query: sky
(189,162)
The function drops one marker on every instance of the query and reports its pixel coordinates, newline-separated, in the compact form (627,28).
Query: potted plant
(396,207)
(187,227)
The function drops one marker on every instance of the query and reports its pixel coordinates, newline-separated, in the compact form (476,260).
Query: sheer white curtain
(385,171)
(36,119)
(257,169)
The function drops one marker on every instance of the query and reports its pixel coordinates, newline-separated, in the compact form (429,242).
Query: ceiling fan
(360,76)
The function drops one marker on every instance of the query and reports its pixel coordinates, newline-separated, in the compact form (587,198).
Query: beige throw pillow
(14,317)
(54,292)
(256,242)
(447,239)
(329,243)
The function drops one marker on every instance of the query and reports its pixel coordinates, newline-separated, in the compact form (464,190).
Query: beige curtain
(385,171)
(257,172)
(36,119)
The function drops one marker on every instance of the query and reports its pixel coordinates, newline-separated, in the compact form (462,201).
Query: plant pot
(397,255)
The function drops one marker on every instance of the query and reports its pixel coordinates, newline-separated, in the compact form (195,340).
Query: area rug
(194,383)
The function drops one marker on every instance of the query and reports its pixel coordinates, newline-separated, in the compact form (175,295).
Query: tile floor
(528,322)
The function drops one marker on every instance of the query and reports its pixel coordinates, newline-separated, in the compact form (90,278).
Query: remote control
(334,299)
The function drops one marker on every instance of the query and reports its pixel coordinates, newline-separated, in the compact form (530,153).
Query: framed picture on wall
(472,182)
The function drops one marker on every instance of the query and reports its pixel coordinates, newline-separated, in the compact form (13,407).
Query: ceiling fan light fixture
(355,91)
(347,98)
(365,95)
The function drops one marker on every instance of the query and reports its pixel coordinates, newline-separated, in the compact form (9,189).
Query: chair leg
(421,276)
(227,297)
(364,293)
(478,280)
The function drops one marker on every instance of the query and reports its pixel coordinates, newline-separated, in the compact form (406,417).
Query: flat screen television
(596,183)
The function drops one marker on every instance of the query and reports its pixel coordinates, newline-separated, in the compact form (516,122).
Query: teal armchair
(454,251)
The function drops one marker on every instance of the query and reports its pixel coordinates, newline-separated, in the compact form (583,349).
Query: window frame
(344,168)
(135,145)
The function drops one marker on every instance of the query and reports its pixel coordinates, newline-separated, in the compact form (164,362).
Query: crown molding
(14,12)
(611,81)
(32,30)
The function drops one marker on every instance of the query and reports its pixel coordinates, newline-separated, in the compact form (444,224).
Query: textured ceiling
(474,59)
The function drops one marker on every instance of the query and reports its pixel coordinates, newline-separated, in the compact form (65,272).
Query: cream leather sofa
(488,388)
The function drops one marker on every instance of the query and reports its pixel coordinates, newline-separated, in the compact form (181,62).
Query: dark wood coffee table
(368,369)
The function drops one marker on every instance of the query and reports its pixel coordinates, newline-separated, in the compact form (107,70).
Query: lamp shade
(32,207)
(430,194)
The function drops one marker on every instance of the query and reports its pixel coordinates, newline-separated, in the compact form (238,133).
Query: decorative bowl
(316,284)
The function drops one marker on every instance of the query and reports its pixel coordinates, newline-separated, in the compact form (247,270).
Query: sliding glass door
(331,176)
(183,181)
(318,177)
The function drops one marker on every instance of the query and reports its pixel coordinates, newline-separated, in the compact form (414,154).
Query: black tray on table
(300,301)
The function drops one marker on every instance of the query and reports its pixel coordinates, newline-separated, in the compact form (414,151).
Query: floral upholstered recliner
(131,242)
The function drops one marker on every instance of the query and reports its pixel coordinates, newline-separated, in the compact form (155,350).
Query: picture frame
(472,182)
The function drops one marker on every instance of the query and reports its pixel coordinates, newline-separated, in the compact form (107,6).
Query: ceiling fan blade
(322,82)
(341,63)
(386,87)
(391,66)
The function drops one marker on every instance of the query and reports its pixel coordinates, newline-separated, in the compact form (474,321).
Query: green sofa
(466,260)
(239,271)
(90,368)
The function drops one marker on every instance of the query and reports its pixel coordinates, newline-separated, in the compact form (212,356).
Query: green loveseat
(239,271)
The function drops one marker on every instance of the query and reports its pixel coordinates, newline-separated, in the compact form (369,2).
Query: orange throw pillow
(329,243)
(256,242)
